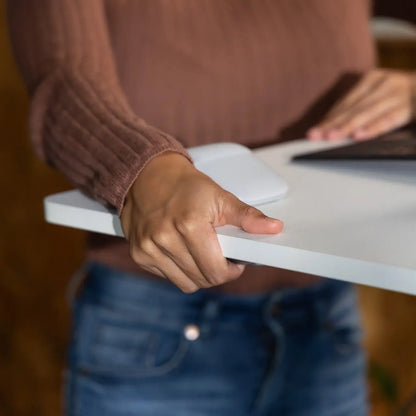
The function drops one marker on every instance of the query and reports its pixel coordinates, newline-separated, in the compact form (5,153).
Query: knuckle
(162,237)
(199,279)
(217,278)
(251,211)
(213,279)
(206,285)
(137,255)
(147,246)
(187,225)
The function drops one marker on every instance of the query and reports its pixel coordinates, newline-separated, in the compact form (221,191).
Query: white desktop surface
(354,221)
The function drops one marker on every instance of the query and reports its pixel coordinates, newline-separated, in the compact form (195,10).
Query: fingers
(368,122)
(350,123)
(151,258)
(250,219)
(387,121)
(368,85)
(339,117)
(196,254)
(205,250)
(378,104)
(189,256)
(172,232)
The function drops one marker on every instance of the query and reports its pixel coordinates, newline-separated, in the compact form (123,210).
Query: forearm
(80,120)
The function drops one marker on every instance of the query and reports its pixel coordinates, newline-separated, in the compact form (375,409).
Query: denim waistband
(107,285)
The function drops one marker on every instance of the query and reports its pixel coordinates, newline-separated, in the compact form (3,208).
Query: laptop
(397,145)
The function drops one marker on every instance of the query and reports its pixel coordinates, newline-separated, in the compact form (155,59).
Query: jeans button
(191,332)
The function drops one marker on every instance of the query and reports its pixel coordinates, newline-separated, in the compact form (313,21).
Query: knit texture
(102,73)
(81,122)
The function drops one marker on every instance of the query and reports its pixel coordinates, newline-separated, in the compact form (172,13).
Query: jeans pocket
(125,345)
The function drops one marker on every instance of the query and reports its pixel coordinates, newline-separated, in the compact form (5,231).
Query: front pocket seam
(159,370)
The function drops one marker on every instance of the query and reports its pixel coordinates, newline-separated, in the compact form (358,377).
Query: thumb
(251,219)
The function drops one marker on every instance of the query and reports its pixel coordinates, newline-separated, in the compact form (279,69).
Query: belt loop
(274,300)
(209,314)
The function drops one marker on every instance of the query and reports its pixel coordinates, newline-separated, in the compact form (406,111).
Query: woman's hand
(170,216)
(382,101)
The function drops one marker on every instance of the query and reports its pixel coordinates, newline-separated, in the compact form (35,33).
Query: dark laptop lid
(397,145)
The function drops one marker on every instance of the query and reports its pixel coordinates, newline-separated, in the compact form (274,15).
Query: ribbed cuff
(92,138)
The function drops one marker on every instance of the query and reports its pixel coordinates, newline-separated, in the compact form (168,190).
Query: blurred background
(37,260)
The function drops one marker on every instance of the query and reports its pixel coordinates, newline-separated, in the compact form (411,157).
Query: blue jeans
(143,348)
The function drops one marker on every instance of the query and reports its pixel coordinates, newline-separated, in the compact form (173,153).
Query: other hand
(382,101)
(170,216)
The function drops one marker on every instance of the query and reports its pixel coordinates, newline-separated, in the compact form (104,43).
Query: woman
(101,74)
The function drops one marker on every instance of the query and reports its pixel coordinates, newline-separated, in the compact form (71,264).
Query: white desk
(354,221)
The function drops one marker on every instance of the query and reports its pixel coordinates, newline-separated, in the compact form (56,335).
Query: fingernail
(314,134)
(334,134)
(275,222)
(240,266)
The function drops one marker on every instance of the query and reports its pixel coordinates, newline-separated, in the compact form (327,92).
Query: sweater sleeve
(80,120)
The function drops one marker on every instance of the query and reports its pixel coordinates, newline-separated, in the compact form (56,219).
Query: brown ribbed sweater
(115,83)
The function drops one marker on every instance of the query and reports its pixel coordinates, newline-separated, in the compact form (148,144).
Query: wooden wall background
(36,261)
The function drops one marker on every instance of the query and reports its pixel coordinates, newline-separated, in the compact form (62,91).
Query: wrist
(167,167)
(167,161)
(161,172)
